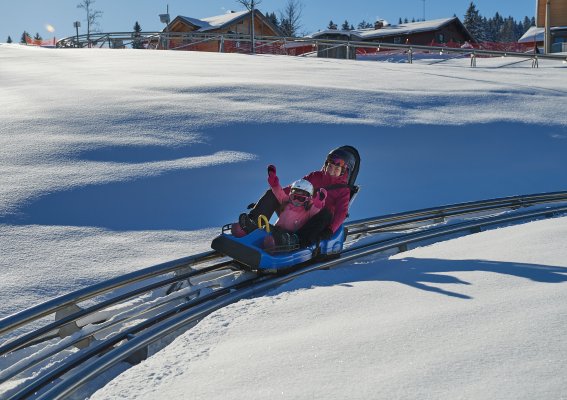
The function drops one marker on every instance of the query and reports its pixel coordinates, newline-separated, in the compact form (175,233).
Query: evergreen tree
(405,21)
(351,27)
(400,21)
(332,25)
(23,39)
(345,26)
(285,27)
(527,24)
(473,23)
(9,40)
(37,37)
(507,33)
(272,17)
(413,20)
(137,42)
(365,25)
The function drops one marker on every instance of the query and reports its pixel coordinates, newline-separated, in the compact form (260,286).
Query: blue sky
(120,15)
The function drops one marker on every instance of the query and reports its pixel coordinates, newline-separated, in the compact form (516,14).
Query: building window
(441,38)
(397,40)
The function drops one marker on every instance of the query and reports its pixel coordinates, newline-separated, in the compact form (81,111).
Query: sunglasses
(337,162)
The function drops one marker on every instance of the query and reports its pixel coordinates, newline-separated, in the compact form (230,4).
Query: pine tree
(137,42)
(23,38)
(272,17)
(286,27)
(37,37)
(332,25)
(405,21)
(364,25)
(400,21)
(473,23)
(9,40)
(527,24)
(507,33)
(345,26)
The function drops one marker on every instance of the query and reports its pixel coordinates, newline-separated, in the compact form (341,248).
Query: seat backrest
(354,173)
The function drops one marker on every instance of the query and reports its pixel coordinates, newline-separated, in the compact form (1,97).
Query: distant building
(229,23)
(558,11)
(558,26)
(450,31)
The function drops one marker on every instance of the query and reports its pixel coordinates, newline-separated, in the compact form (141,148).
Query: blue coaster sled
(248,250)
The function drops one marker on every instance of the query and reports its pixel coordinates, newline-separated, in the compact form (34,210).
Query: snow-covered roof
(391,30)
(225,19)
(535,34)
(216,22)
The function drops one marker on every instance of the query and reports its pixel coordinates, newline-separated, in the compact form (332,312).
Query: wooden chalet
(438,31)
(558,13)
(229,23)
(558,26)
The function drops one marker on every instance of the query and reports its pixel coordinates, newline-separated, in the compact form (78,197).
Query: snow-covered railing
(180,40)
(15,321)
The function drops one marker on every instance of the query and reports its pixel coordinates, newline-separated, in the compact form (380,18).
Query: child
(297,208)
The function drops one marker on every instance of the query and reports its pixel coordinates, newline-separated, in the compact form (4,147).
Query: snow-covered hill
(116,160)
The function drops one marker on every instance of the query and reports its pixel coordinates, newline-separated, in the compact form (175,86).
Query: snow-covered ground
(480,317)
(114,160)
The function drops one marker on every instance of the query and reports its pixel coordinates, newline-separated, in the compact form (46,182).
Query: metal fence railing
(306,46)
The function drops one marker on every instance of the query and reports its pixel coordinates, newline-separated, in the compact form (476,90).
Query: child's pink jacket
(292,218)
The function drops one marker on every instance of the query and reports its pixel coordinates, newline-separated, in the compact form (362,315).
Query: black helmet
(347,159)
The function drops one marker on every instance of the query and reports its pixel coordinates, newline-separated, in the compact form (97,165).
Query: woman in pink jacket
(334,178)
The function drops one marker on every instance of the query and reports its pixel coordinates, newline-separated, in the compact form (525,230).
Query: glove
(326,234)
(273,179)
(319,198)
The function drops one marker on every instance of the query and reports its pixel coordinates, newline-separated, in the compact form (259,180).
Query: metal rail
(96,39)
(78,378)
(359,228)
(14,321)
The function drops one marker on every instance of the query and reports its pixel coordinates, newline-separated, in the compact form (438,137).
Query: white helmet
(303,185)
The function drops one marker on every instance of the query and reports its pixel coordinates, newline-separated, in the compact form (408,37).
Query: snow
(206,24)
(467,318)
(115,160)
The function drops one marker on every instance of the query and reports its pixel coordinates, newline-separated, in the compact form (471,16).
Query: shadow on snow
(402,168)
(426,274)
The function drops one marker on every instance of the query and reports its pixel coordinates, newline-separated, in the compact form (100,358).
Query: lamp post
(77,25)
(164,19)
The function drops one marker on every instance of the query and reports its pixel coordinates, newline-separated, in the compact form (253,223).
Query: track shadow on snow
(431,275)
(403,168)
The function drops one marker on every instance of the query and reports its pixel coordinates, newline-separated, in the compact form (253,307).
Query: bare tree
(251,6)
(92,15)
(290,17)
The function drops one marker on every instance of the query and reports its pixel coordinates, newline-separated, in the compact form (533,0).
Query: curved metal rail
(176,317)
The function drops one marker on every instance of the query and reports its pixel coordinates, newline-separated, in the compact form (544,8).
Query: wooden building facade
(230,23)
(440,31)
(558,13)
